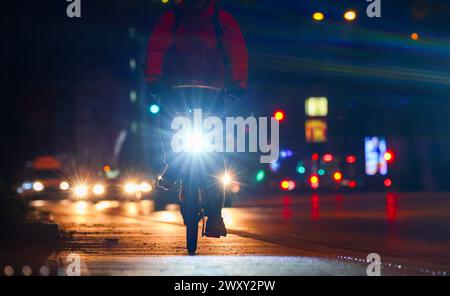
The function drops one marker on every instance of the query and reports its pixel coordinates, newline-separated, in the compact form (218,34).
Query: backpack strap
(178,19)
(217,29)
(216,23)
(219,33)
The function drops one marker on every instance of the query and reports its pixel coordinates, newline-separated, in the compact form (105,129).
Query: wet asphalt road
(274,235)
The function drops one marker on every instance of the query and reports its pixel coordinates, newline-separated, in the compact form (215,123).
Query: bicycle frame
(195,176)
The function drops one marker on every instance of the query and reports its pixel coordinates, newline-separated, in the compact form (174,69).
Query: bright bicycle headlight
(194,142)
(229,182)
(226,179)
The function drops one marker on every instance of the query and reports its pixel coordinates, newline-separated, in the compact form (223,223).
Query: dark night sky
(380,81)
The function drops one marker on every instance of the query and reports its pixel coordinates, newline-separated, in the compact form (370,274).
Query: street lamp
(350,15)
(279,115)
(318,16)
(415,36)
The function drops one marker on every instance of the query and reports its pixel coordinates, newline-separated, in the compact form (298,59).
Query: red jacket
(184,49)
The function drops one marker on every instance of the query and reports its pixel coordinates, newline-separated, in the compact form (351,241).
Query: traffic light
(260,176)
(301,169)
(350,159)
(337,176)
(154,109)
(388,182)
(352,184)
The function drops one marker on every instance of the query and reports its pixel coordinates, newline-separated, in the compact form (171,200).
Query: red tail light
(350,159)
(388,182)
(288,185)
(314,181)
(327,157)
(284,184)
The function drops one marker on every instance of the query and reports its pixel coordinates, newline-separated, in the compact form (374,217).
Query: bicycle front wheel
(192,237)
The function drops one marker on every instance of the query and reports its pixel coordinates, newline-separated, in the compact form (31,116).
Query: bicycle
(192,185)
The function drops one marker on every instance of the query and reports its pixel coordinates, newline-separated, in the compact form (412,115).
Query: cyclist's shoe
(215,227)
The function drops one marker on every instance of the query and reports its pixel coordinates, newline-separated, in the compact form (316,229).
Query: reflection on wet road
(411,232)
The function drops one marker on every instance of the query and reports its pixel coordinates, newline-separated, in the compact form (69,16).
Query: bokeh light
(350,15)
(318,16)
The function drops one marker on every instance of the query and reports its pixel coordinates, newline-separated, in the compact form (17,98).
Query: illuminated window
(315,131)
(134,127)
(316,106)
(133,96)
(375,149)
(131,32)
(132,64)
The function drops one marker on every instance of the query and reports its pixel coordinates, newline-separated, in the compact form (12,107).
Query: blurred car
(53,185)
(44,184)
(130,189)
(119,186)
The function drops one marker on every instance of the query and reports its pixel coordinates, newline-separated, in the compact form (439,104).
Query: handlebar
(199,86)
(223,91)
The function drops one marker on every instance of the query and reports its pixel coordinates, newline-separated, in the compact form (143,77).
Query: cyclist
(197,42)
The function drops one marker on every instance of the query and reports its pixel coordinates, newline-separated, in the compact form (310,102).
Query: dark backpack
(217,29)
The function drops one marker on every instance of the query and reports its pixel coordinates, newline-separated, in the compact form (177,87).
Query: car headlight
(64,186)
(38,186)
(145,187)
(80,191)
(98,189)
(27,185)
(131,188)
